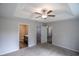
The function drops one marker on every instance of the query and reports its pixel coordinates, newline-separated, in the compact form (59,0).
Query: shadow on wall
(66,34)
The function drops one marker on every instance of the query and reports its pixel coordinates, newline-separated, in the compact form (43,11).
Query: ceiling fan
(44,13)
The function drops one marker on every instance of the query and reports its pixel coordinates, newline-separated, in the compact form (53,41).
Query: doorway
(23,36)
(38,34)
(49,34)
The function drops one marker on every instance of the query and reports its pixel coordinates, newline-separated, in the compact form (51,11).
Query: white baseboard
(5,52)
(65,47)
(31,45)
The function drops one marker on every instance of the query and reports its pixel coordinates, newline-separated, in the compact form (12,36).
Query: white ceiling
(62,11)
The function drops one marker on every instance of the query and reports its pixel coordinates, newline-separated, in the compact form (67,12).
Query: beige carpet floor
(43,50)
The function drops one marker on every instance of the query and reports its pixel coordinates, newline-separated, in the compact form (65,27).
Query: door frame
(19,32)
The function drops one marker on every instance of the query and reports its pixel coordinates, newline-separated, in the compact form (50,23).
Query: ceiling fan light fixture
(44,16)
(45,13)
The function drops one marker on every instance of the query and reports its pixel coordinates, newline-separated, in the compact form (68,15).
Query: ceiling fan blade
(37,16)
(49,11)
(37,13)
(51,15)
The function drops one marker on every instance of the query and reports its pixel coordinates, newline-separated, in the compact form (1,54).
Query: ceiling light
(44,16)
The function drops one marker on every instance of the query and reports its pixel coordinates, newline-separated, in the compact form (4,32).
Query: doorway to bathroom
(23,35)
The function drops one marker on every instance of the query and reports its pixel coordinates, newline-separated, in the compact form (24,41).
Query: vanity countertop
(26,35)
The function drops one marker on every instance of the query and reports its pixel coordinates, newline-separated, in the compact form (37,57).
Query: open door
(23,36)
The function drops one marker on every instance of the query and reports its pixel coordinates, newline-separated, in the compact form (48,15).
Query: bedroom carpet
(43,50)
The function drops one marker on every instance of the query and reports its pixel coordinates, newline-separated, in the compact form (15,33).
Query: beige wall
(66,34)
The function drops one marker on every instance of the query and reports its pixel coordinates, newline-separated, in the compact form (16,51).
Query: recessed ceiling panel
(61,10)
